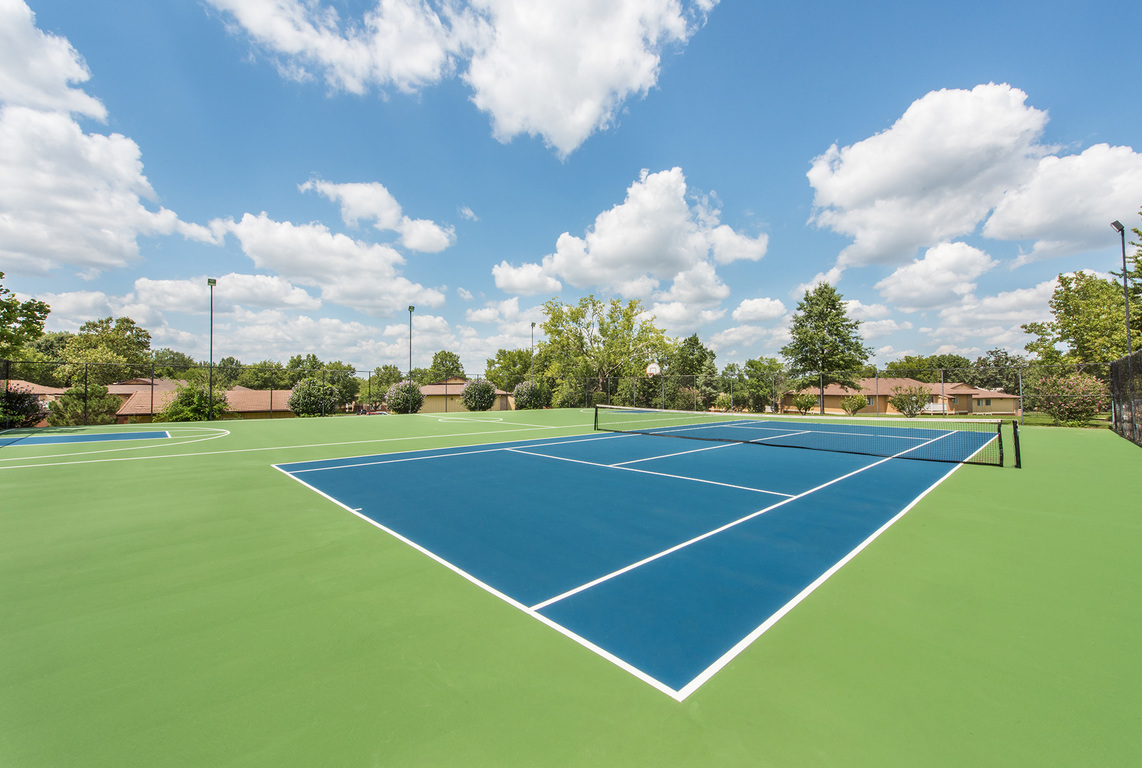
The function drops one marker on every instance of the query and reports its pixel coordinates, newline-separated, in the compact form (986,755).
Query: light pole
(533,338)
(1125,292)
(211,282)
(410,309)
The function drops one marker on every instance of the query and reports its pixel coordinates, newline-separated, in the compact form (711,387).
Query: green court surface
(182,603)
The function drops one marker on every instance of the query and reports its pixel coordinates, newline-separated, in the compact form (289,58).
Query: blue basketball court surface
(24,439)
(667,557)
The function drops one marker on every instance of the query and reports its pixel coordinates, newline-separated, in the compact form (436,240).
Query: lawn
(188,605)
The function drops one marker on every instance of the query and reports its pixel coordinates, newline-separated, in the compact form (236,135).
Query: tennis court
(180,601)
(665,556)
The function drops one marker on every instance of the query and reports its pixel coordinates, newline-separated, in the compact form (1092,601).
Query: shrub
(569,395)
(478,395)
(805,402)
(314,397)
(404,397)
(19,408)
(70,411)
(1071,399)
(854,403)
(724,401)
(194,403)
(910,400)
(527,395)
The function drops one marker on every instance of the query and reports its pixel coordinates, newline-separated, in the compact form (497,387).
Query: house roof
(131,386)
(239,400)
(886,385)
(35,389)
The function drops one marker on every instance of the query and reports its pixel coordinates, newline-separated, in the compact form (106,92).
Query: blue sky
(332,161)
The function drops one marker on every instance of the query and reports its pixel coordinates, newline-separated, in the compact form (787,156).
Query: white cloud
(829,277)
(232,290)
(348,272)
(758,310)
(550,68)
(1068,203)
(934,175)
(654,235)
(943,276)
(874,329)
(467,214)
(373,202)
(37,68)
(678,318)
(72,309)
(860,311)
(995,320)
(464,294)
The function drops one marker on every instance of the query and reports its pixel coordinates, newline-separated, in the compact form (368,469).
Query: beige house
(244,403)
(947,398)
(444,397)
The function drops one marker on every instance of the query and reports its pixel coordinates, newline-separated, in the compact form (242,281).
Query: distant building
(947,398)
(444,397)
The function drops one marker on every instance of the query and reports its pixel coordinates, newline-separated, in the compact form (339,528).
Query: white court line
(708,534)
(668,455)
(647,472)
(180,440)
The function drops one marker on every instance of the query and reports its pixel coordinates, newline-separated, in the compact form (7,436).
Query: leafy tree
(51,344)
(268,374)
(693,359)
(824,341)
(19,408)
(530,394)
(478,395)
(226,372)
(928,368)
(20,321)
(1089,315)
(445,365)
(910,400)
(93,366)
(170,364)
(421,376)
(313,397)
(385,376)
(804,402)
(107,350)
(765,381)
(404,397)
(1071,399)
(36,367)
(298,367)
(597,340)
(508,368)
(997,370)
(79,405)
(854,403)
(343,377)
(195,402)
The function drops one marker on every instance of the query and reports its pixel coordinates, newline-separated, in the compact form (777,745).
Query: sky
(331,162)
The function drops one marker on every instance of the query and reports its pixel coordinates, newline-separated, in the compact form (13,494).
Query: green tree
(804,402)
(107,350)
(478,395)
(313,397)
(508,368)
(928,368)
(226,372)
(1089,320)
(910,400)
(80,405)
(19,408)
(766,379)
(94,366)
(421,376)
(445,365)
(195,402)
(404,397)
(597,340)
(997,369)
(854,403)
(385,376)
(1071,399)
(170,364)
(527,395)
(21,322)
(268,374)
(825,342)
(344,378)
(51,344)
(298,368)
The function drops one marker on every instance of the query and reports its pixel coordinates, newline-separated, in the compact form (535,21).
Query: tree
(19,408)
(445,365)
(765,382)
(854,403)
(404,397)
(508,368)
(343,378)
(195,402)
(1133,282)
(313,397)
(20,321)
(385,376)
(83,405)
(107,350)
(93,366)
(692,358)
(226,372)
(1089,319)
(527,395)
(478,395)
(421,376)
(910,400)
(997,369)
(597,340)
(300,367)
(928,368)
(804,402)
(169,364)
(824,341)
(1071,399)
(268,374)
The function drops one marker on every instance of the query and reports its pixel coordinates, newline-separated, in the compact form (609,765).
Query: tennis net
(971,441)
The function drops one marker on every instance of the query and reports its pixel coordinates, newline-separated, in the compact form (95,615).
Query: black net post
(1015,443)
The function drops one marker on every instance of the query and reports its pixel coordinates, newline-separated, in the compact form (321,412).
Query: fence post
(1020,372)
(876,390)
(85,394)
(322,391)
(152,393)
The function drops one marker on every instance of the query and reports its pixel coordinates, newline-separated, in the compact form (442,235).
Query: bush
(528,395)
(194,403)
(1071,399)
(404,397)
(569,395)
(805,402)
(909,400)
(70,410)
(724,402)
(19,409)
(854,403)
(478,395)
(314,397)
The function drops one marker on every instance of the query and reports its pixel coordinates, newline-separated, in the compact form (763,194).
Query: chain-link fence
(90,393)
(1126,396)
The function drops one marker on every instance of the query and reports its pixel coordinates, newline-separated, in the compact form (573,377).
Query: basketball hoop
(653,369)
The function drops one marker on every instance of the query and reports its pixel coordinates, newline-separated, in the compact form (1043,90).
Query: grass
(207,610)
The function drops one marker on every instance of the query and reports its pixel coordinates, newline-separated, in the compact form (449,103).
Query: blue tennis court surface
(666,556)
(96,437)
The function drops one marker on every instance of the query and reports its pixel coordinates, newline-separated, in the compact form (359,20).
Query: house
(943,398)
(243,403)
(444,397)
